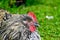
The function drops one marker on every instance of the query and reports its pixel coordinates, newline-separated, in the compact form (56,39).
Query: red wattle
(32,28)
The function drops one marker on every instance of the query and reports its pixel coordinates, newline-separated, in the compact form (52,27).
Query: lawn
(49,28)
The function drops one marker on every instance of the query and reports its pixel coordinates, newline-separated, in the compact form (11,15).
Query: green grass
(49,29)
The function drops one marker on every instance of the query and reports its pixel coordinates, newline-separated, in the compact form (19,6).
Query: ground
(49,28)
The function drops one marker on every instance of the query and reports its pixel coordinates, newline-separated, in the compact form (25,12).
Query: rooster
(23,27)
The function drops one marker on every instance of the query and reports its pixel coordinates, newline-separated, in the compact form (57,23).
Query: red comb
(31,14)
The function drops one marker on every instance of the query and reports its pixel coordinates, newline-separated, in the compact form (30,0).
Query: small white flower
(49,17)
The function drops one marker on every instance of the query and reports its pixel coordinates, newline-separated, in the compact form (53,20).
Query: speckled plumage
(16,29)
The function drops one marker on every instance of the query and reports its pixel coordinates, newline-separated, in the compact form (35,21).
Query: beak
(36,24)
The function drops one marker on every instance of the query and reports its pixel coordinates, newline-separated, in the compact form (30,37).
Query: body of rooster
(21,27)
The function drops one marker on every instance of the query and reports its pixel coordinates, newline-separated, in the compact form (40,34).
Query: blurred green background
(49,28)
